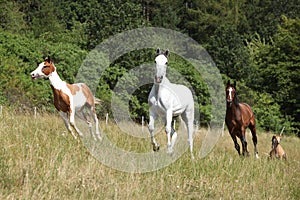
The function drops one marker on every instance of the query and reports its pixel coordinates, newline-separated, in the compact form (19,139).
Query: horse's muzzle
(229,103)
(158,79)
(33,76)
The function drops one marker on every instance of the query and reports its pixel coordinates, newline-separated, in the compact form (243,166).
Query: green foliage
(228,50)
(277,67)
(11,18)
(268,113)
(255,43)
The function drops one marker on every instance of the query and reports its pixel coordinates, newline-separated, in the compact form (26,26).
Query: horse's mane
(236,99)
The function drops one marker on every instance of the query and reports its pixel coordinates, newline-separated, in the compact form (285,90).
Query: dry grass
(39,160)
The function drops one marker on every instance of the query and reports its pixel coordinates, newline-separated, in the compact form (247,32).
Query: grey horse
(167,100)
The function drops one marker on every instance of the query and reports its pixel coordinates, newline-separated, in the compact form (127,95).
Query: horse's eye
(45,66)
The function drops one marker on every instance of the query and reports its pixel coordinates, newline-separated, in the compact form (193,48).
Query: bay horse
(239,116)
(167,100)
(69,99)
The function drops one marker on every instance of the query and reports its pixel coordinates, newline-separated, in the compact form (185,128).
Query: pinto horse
(239,116)
(69,99)
(167,100)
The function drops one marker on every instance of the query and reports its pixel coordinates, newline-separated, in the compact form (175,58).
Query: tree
(11,18)
(277,65)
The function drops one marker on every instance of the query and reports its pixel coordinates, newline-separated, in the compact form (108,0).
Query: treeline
(253,42)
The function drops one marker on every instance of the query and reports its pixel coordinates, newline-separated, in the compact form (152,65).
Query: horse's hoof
(155,148)
(169,151)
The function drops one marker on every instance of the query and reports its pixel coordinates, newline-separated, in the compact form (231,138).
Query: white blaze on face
(37,73)
(230,93)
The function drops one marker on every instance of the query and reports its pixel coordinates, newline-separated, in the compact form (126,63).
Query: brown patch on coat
(89,95)
(61,100)
(73,88)
(48,68)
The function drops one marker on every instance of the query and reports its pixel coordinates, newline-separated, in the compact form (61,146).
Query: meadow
(40,160)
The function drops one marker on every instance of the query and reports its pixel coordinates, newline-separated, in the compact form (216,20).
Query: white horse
(69,98)
(167,100)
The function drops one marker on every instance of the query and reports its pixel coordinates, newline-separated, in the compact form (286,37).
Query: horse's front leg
(152,118)
(64,116)
(169,130)
(244,143)
(72,122)
(236,145)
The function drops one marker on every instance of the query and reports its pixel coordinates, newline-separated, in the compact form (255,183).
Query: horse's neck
(232,109)
(236,101)
(55,80)
(158,87)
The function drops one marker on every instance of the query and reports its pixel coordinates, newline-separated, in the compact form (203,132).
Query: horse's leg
(95,118)
(188,118)
(64,116)
(72,122)
(152,117)
(173,137)
(80,113)
(236,145)
(244,142)
(168,130)
(254,137)
(94,114)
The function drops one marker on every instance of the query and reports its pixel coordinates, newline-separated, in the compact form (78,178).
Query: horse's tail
(97,101)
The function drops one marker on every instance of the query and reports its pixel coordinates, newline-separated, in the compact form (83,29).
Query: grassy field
(40,160)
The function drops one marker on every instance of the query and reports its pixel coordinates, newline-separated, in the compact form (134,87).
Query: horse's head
(44,69)
(161,62)
(230,92)
(275,141)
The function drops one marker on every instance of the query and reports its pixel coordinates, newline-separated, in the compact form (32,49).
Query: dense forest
(255,42)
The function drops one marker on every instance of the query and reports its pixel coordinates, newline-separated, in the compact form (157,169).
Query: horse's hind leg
(94,115)
(254,137)
(245,151)
(64,116)
(173,137)
(81,114)
(188,118)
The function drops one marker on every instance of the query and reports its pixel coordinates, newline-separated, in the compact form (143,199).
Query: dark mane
(236,99)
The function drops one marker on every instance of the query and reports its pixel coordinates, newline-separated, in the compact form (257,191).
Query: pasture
(40,160)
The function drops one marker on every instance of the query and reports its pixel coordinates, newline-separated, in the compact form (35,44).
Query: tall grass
(40,160)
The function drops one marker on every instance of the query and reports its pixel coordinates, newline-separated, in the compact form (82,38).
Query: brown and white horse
(69,98)
(239,116)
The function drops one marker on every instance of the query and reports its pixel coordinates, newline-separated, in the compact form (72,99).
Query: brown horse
(239,116)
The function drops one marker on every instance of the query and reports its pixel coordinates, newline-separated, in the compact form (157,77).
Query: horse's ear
(167,53)
(158,51)
(228,83)
(48,59)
